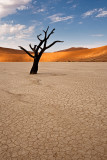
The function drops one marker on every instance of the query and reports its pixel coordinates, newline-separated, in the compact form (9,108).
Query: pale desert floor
(58,114)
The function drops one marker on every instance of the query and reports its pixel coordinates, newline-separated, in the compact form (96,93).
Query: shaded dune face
(68,55)
(13,55)
(15,58)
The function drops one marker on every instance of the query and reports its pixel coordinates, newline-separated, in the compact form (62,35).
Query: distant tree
(39,49)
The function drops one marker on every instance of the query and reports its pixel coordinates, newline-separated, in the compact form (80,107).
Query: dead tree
(38,50)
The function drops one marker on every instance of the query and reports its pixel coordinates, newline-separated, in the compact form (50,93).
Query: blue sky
(79,23)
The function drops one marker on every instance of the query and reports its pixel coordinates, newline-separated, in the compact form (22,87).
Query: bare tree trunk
(34,68)
(38,50)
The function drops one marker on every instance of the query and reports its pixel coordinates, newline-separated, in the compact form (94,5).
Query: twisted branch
(42,42)
(26,51)
(39,36)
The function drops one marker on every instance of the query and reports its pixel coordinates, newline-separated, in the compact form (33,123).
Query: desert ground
(58,114)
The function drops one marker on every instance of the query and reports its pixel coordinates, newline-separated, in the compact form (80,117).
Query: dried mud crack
(58,114)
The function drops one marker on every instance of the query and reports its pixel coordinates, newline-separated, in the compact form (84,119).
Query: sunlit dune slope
(72,54)
(78,54)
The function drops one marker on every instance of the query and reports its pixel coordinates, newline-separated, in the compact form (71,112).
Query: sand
(58,114)
(69,55)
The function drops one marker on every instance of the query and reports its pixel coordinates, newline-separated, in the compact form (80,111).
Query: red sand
(68,55)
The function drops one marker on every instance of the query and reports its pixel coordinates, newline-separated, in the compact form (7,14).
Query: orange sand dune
(13,55)
(72,49)
(72,54)
(78,54)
